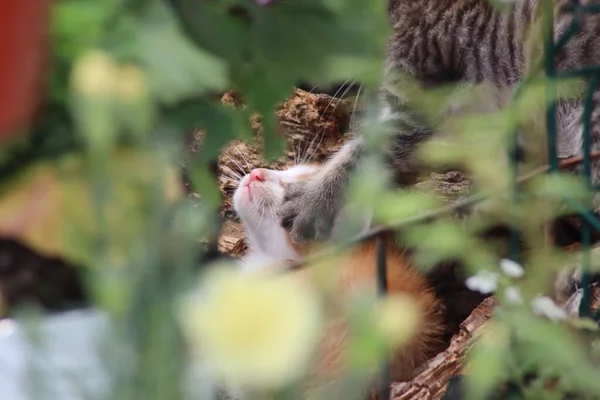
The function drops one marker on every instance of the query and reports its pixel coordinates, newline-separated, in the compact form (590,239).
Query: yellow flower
(254,330)
(94,74)
(132,85)
(397,318)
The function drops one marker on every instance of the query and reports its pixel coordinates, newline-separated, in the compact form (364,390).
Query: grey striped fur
(449,41)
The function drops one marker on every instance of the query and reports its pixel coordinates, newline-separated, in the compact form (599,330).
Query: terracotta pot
(23,50)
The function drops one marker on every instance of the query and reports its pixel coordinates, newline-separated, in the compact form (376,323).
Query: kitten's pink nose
(257,174)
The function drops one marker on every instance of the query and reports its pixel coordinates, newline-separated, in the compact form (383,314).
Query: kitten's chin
(241,202)
(252,216)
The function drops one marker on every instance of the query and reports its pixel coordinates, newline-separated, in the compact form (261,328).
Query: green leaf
(284,38)
(441,240)
(534,96)
(560,186)
(213,28)
(398,206)
(537,340)
(221,124)
(287,39)
(262,95)
(79,24)
(206,185)
(488,362)
(177,69)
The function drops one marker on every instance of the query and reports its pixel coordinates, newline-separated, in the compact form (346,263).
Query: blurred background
(125,126)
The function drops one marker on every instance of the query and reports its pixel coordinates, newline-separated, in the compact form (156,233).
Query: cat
(439,42)
(256,200)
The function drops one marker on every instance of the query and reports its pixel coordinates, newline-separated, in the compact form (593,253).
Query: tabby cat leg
(309,209)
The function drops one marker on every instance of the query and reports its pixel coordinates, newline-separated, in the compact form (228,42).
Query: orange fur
(358,268)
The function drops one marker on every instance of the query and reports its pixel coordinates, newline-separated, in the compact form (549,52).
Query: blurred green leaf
(560,186)
(489,360)
(537,340)
(285,36)
(177,69)
(393,207)
(444,239)
(534,96)
(79,24)
(262,95)
(206,184)
(213,28)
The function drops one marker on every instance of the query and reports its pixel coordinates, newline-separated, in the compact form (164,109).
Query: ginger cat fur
(256,201)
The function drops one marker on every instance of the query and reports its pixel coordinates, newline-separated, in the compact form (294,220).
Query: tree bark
(431,382)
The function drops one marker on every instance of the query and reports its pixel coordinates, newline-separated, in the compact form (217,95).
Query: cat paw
(304,214)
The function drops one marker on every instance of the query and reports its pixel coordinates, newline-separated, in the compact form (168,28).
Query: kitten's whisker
(230,177)
(337,103)
(222,175)
(237,164)
(308,146)
(350,86)
(342,96)
(324,113)
(304,149)
(295,151)
(244,159)
(226,169)
(232,171)
(272,210)
(334,97)
(352,116)
(306,155)
(261,212)
(316,148)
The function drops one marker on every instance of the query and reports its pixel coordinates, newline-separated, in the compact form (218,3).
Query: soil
(315,126)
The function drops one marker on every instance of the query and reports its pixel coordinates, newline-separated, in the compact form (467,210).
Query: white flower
(511,268)
(544,305)
(484,282)
(512,295)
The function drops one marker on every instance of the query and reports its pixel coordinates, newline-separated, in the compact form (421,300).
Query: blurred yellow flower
(94,74)
(254,330)
(132,85)
(397,317)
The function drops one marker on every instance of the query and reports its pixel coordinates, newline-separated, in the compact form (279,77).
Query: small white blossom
(512,295)
(544,305)
(484,282)
(511,268)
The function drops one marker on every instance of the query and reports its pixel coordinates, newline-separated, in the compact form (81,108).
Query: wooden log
(431,382)
(315,126)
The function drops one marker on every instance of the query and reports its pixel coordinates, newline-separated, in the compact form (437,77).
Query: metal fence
(589,222)
(552,46)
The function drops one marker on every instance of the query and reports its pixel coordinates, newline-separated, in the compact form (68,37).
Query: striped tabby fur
(444,41)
